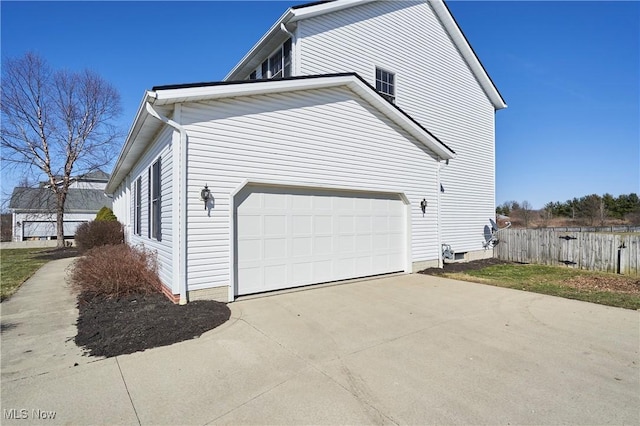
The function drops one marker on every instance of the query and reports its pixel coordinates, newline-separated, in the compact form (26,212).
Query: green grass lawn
(16,265)
(596,287)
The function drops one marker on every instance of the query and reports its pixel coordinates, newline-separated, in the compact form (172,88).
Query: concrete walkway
(399,350)
(39,324)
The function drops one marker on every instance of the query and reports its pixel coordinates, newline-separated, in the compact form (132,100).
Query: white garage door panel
(48,229)
(39,229)
(288,238)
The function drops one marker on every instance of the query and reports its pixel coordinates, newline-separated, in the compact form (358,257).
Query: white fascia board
(327,187)
(402,120)
(468,54)
(321,9)
(250,88)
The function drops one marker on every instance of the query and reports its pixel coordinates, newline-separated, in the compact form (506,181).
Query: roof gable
(146,127)
(275,36)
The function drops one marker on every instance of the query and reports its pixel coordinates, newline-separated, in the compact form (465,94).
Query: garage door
(288,238)
(48,229)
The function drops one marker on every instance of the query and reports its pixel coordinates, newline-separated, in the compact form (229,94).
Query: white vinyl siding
(160,148)
(88,185)
(434,85)
(311,138)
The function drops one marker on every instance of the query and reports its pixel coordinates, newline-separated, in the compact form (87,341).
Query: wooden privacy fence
(617,253)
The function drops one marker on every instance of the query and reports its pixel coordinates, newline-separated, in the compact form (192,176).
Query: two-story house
(354,139)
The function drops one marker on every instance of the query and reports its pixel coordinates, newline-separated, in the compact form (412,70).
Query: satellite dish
(494,226)
(487,233)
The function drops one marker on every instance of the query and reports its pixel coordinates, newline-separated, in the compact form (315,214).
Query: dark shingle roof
(97,175)
(315,3)
(43,200)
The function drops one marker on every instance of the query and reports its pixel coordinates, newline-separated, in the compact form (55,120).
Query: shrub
(116,270)
(98,233)
(106,214)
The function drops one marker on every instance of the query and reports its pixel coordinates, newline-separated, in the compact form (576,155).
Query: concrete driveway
(398,350)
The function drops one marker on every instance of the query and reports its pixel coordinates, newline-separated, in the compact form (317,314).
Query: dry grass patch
(596,287)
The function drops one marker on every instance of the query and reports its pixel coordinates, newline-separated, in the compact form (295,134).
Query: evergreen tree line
(593,208)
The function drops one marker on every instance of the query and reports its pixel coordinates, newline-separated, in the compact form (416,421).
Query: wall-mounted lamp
(423,206)
(205,195)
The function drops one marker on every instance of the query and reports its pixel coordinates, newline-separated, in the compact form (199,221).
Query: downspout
(439,235)
(294,66)
(283,27)
(182,281)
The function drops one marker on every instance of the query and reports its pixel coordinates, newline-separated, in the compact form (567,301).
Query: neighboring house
(34,209)
(355,139)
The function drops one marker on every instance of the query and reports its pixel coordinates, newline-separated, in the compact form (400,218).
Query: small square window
(385,84)
(253,75)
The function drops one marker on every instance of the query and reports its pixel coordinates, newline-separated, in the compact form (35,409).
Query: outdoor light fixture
(205,195)
(423,206)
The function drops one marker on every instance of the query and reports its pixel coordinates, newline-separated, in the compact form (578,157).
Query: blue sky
(569,71)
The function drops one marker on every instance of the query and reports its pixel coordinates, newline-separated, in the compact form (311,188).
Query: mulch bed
(112,327)
(464,266)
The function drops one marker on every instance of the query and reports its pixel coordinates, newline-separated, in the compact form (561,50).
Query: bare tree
(590,207)
(527,212)
(56,123)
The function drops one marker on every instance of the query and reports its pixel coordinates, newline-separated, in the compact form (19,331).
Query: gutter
(283,27)
(182,198)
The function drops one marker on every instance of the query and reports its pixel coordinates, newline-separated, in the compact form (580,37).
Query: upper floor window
(386,84)
(253,75)
(277,65)
(286,58)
